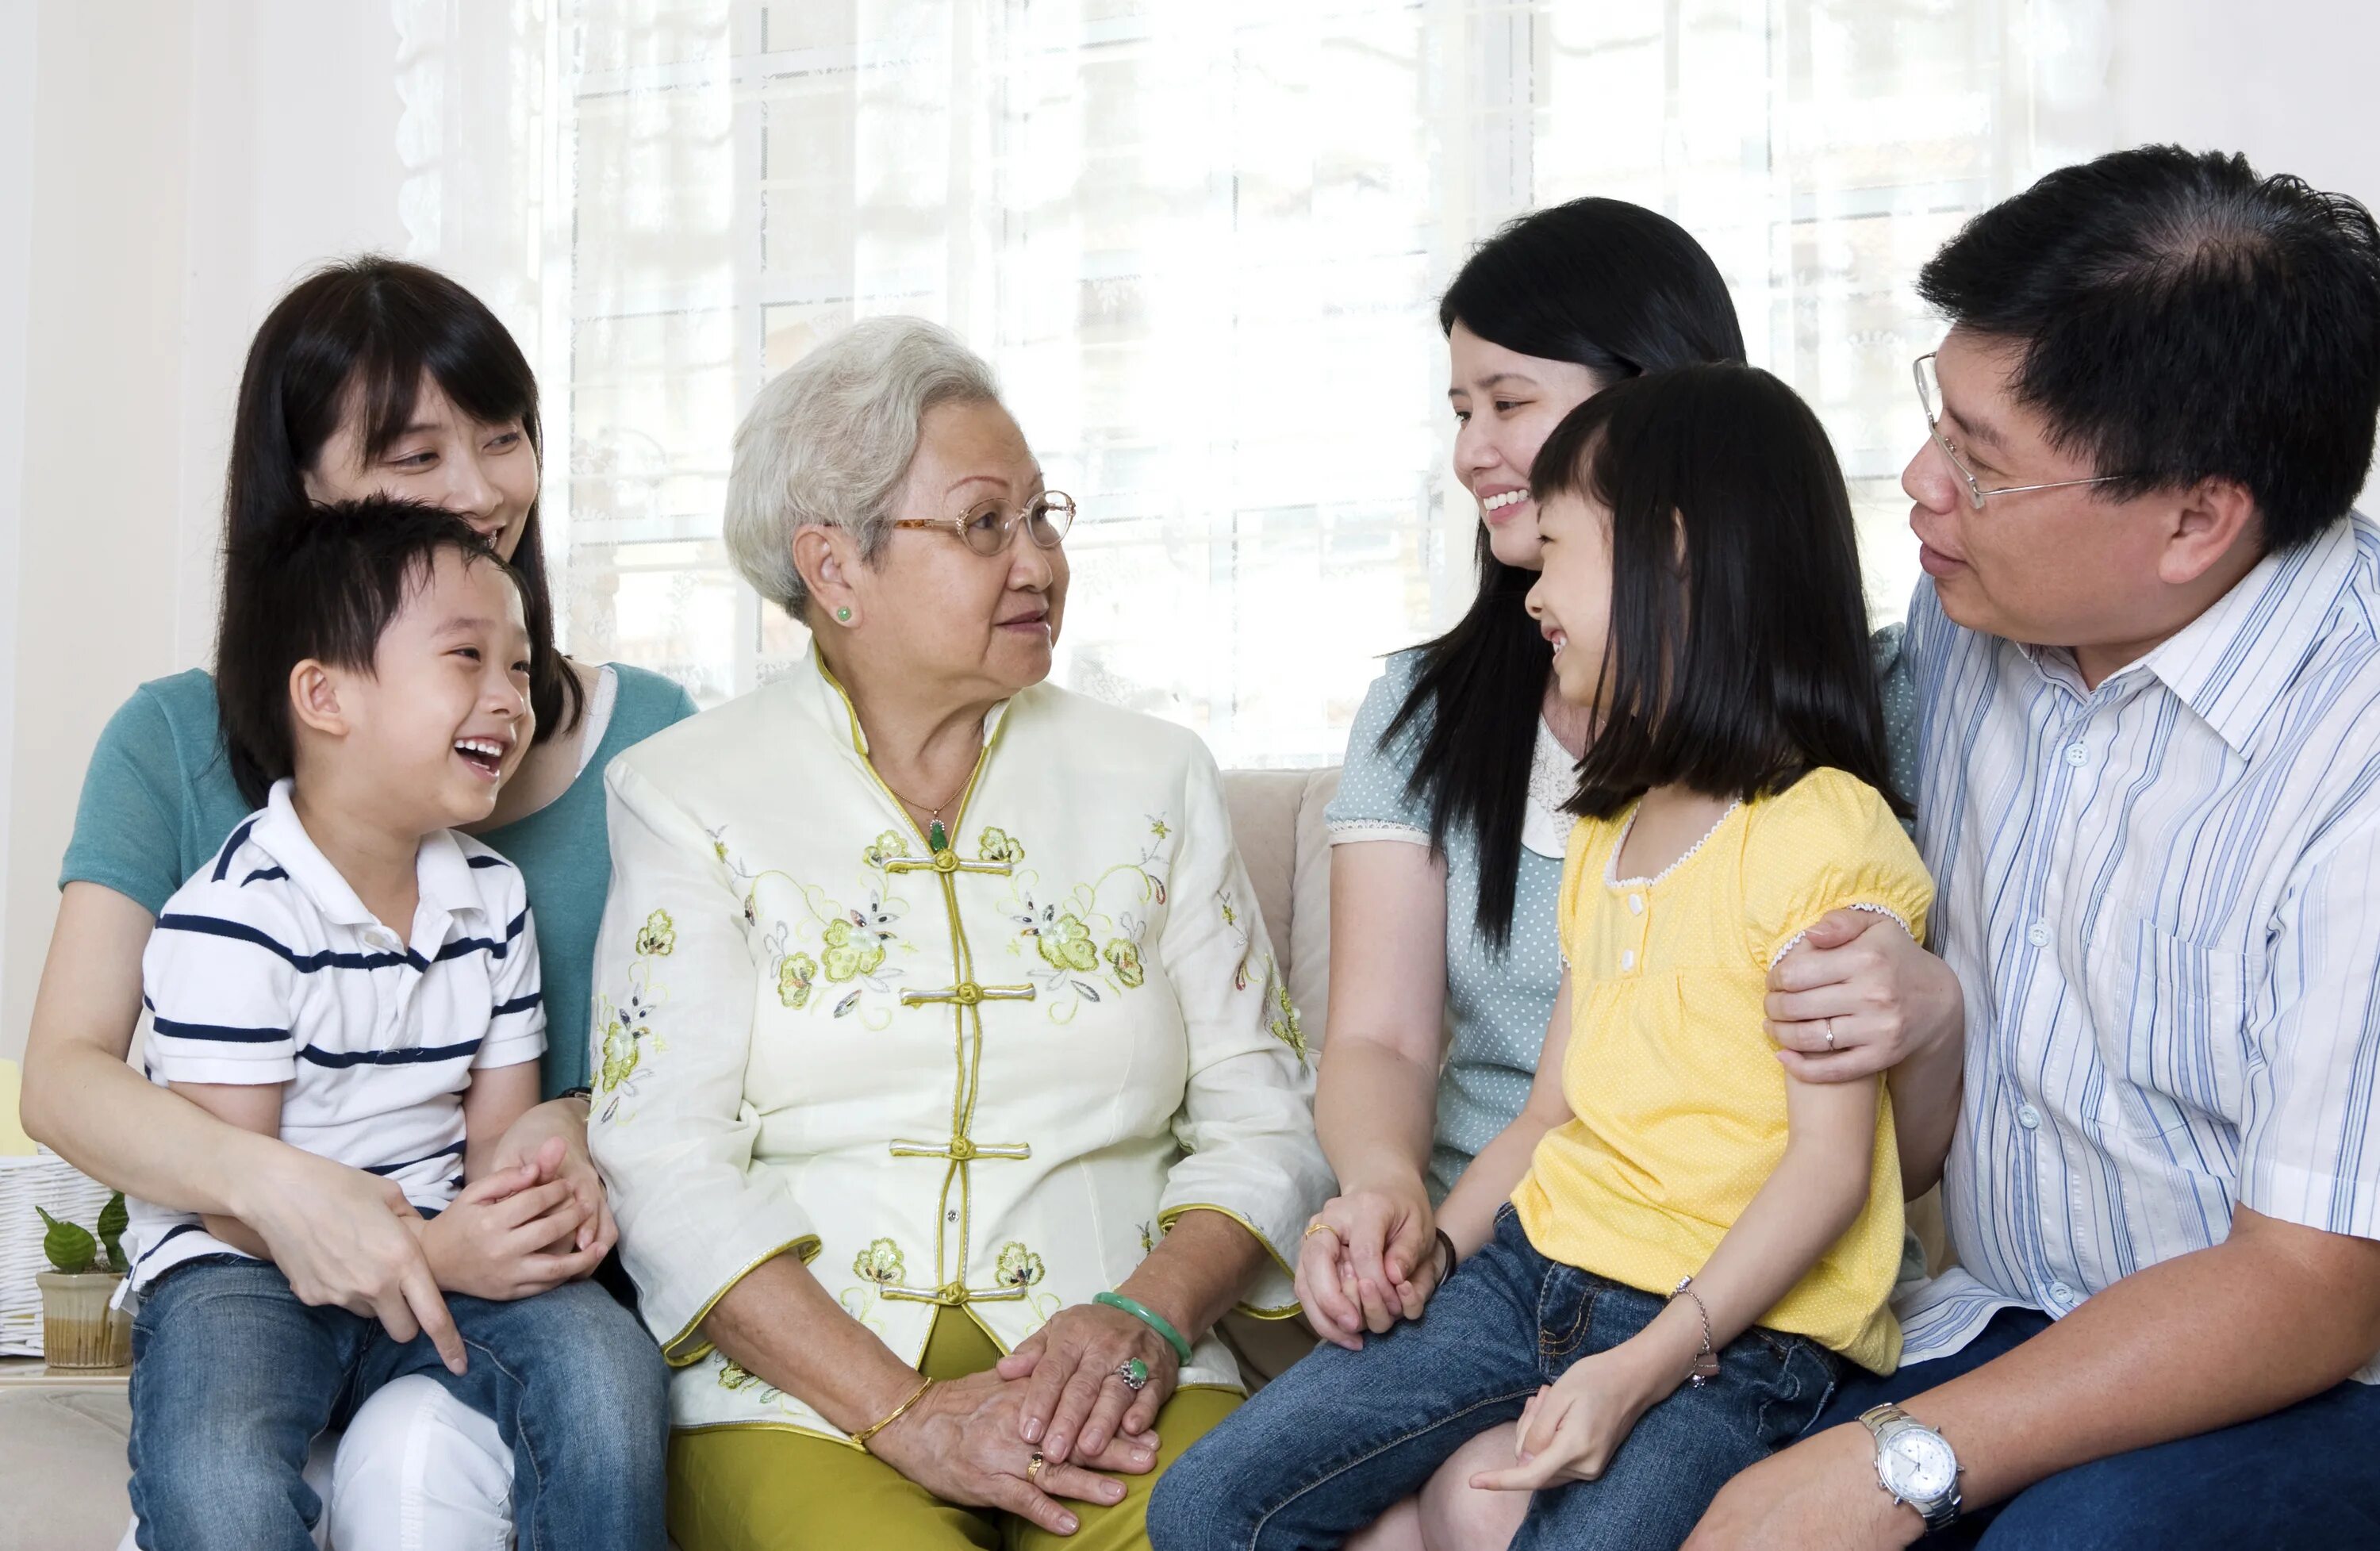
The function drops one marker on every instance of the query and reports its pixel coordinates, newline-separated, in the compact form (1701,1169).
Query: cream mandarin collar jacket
(985,1078)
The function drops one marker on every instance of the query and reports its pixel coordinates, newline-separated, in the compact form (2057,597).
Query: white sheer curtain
(1202,242)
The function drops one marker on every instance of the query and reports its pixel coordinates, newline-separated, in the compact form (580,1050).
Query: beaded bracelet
(1149,1318)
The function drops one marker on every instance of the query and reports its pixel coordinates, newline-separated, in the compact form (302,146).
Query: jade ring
(1135,1374)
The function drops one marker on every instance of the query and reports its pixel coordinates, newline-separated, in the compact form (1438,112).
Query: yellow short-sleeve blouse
(1677,1098)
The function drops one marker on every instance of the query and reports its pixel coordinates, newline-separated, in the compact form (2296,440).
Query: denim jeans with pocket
(232,1378)
(1330,1445)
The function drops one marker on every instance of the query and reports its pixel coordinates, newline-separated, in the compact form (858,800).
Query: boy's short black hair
(1737,658)
(2182,318)
(320,582)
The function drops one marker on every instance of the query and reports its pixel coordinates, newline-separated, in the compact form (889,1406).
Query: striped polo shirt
(2159,896)
(266,968)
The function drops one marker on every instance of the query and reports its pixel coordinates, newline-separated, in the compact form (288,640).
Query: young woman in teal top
(371,377)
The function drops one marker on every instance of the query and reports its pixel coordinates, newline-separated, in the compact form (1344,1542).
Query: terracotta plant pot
(79,1330)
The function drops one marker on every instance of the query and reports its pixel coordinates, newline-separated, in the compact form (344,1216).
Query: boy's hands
(562,1120)
(1573,1426)
(510,1235)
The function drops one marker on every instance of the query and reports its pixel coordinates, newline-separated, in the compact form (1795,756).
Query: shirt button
(2029,1117)
(2062,1295)
(1635,905)
(2038,934)
(2077,755)
(1628,959)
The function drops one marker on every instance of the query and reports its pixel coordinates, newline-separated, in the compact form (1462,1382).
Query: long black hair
(1737,658)
(1619,290)
(359,334)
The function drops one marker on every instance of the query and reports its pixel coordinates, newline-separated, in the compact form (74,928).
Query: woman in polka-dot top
(1447,832)
(1672,1253)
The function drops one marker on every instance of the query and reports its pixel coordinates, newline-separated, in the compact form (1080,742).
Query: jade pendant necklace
(937,838)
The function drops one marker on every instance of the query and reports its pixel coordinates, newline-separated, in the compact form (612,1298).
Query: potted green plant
(79,1327)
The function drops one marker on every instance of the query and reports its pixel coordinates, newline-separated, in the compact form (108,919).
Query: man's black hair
(2182,318)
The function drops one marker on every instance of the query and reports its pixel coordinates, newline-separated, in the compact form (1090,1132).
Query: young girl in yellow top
(1670,1256)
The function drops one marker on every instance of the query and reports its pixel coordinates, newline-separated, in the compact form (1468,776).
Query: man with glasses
(2145,663)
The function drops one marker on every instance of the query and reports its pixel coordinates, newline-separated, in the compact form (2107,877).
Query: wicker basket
(46,1180)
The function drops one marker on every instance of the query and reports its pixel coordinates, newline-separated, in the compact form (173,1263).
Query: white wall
(180,176)
(19,40)
(2287,81)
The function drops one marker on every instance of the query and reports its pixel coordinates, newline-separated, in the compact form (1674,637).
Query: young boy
(354,978)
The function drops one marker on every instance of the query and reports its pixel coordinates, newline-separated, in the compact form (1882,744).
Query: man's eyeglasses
(1929,398)
(988,528)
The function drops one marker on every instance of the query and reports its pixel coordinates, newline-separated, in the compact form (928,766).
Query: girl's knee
(1457,1516)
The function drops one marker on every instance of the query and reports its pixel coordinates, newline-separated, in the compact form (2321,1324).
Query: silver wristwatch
(1915,1464)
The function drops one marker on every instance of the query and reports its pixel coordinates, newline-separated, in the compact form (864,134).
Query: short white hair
(829,440)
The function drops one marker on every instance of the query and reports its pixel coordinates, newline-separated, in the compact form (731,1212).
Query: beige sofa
(62,1465)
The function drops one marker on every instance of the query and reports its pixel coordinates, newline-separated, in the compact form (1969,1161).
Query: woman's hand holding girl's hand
(964,1441)
(1573,1428)
(499,1240)
(1856,975)
(1075,1403)
(349,1240)
(1372,1261)
(565,1120)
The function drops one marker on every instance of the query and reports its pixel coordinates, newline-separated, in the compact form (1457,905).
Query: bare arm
(1469,1212)
(1814,1194)
(252,1108)
(2273,1314)
(335,1231)
(1571,1431)
(498,1097)
(1375,1098)
(1892,1007)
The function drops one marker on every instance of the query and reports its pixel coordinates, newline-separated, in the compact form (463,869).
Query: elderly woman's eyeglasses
(1929,398)
(989,528)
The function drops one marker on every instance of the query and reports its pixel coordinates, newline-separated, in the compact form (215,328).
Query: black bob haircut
(321,582)
(1738,658)
(2182,318)
(1619,290)
(360,336)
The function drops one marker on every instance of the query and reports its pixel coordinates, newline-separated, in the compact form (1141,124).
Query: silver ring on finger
(1135,1374)
(1831,1033)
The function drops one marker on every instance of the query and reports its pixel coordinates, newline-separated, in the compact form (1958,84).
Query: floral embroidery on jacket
(624,1036)
(879,1265)
(658,939)
(806,936)
(997,847)
(1124,959)
(795,974)
(1020,1268)
(886,847)
(736,1378)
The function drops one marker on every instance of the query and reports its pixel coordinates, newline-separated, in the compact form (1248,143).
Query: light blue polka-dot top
(1496,1005)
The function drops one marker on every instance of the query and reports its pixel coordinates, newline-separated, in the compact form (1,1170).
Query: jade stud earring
(843,614)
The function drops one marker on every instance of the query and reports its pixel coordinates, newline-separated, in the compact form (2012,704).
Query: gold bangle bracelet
(897,1412)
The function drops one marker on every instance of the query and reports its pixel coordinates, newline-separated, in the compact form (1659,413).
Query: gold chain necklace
(936,838)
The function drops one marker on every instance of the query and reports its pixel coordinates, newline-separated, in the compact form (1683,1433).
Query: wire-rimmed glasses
(1929,398)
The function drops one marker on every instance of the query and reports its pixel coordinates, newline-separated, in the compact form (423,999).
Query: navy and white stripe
(265,968)
(2158,898)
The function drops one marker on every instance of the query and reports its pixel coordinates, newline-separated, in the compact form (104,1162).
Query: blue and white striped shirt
(2160,897)
(265,968)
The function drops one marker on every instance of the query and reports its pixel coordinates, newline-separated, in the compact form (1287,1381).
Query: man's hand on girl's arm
(1858,997)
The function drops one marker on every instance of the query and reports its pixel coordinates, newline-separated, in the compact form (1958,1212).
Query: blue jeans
(1326,1447)
(2308,1475)
(232,1378)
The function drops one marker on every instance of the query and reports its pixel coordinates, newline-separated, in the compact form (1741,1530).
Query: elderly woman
(946,1088)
